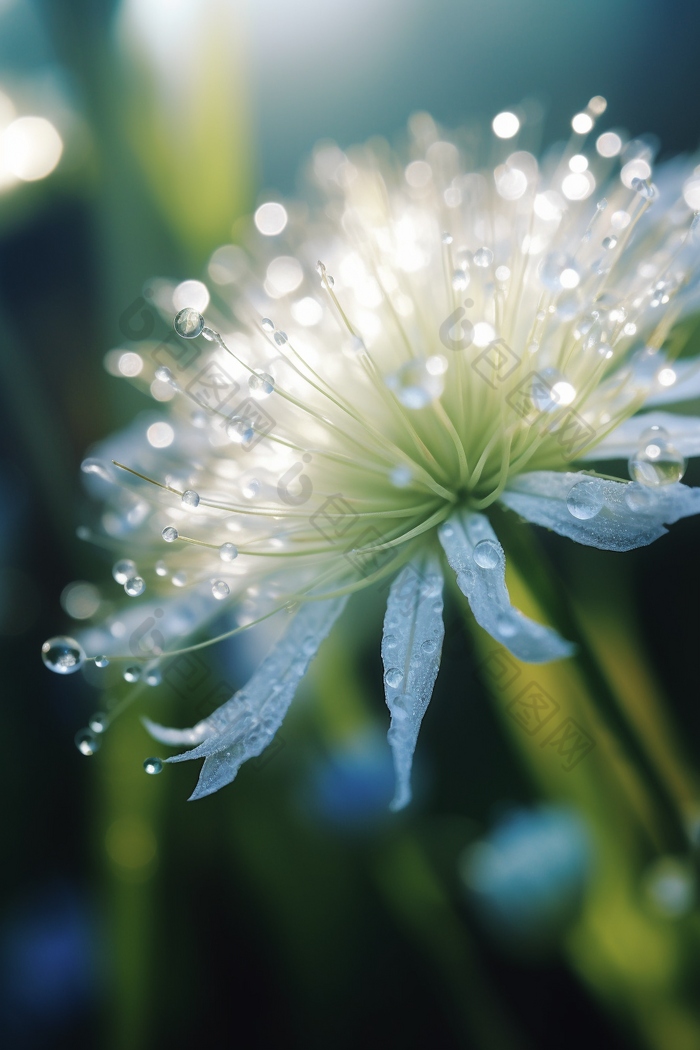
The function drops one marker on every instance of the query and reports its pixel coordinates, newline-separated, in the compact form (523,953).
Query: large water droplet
(190,498)
(124,570)
(169,534)
(413,385)
(220,589)
(188,323)
(261,385)
(62,654)
(487,554)
(657,462)
(393,677)
(86,742)
(135,586)
(152,766)
(228,551)
(585,500)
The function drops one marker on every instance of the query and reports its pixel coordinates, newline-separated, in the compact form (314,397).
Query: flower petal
(411,648)
(629,515)
(243,727)
(623,441)
(480,563)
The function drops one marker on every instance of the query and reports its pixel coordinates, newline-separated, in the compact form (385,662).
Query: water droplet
(483,257)
(657,462)
(161,568)
(220,589)
(585,500)
(95,466)
(447,238)
(62,654)
(251,488)
(267,325)
(400,477)
(389,642)
(101,661)
(240,430)
(413,385)
(153,677)
(228,551)
(261,385)
(164,374)
(98,722)
(188,323)
(644,189)
(170,534)
(558,270)
(320,268)
(180,579)
(354,346)
(460,280)
(135,586)
(447,531)
(609,243)
(152,766)
(429,645)
(86,742)
(280,338)
(639,498)
(124,570)
(487,554)
(393,677)
(190,498)
(132,673)
(401,707)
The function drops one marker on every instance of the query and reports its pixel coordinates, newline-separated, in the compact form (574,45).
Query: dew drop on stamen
(164,374)
(447,238)
(609,243)
(188,323)
(228,551)
(261,385)
(135,586)
(98,722)
(483,257)
(124,570)
(180,579)
(101,661)
(393,677)
(220,589)
(153,677)
(486,554)
(161,568)
(267,325)
(460,280)
(153,766)
(62,654)
(584,500)
(169,534)
(190,498)
(87,742)
(240,430)
(132,673)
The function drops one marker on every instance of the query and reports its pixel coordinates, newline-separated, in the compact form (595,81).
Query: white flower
(484,335)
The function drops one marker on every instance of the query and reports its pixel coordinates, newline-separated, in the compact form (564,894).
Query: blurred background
(514,905)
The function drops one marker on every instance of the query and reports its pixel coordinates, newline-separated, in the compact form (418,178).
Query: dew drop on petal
(87,742)
(584,500)
(228,551)
(657,462)
(190,498)
(135,586)
(62,654)
(152,766)
(393,677)
(486,554)
(169,534)
(220,589)
(188,323)
(429,645)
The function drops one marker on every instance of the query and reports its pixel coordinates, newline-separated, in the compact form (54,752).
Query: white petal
(411,648)
(486,591)
(623,442)
(685,388)
(243,727)
(630,515)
